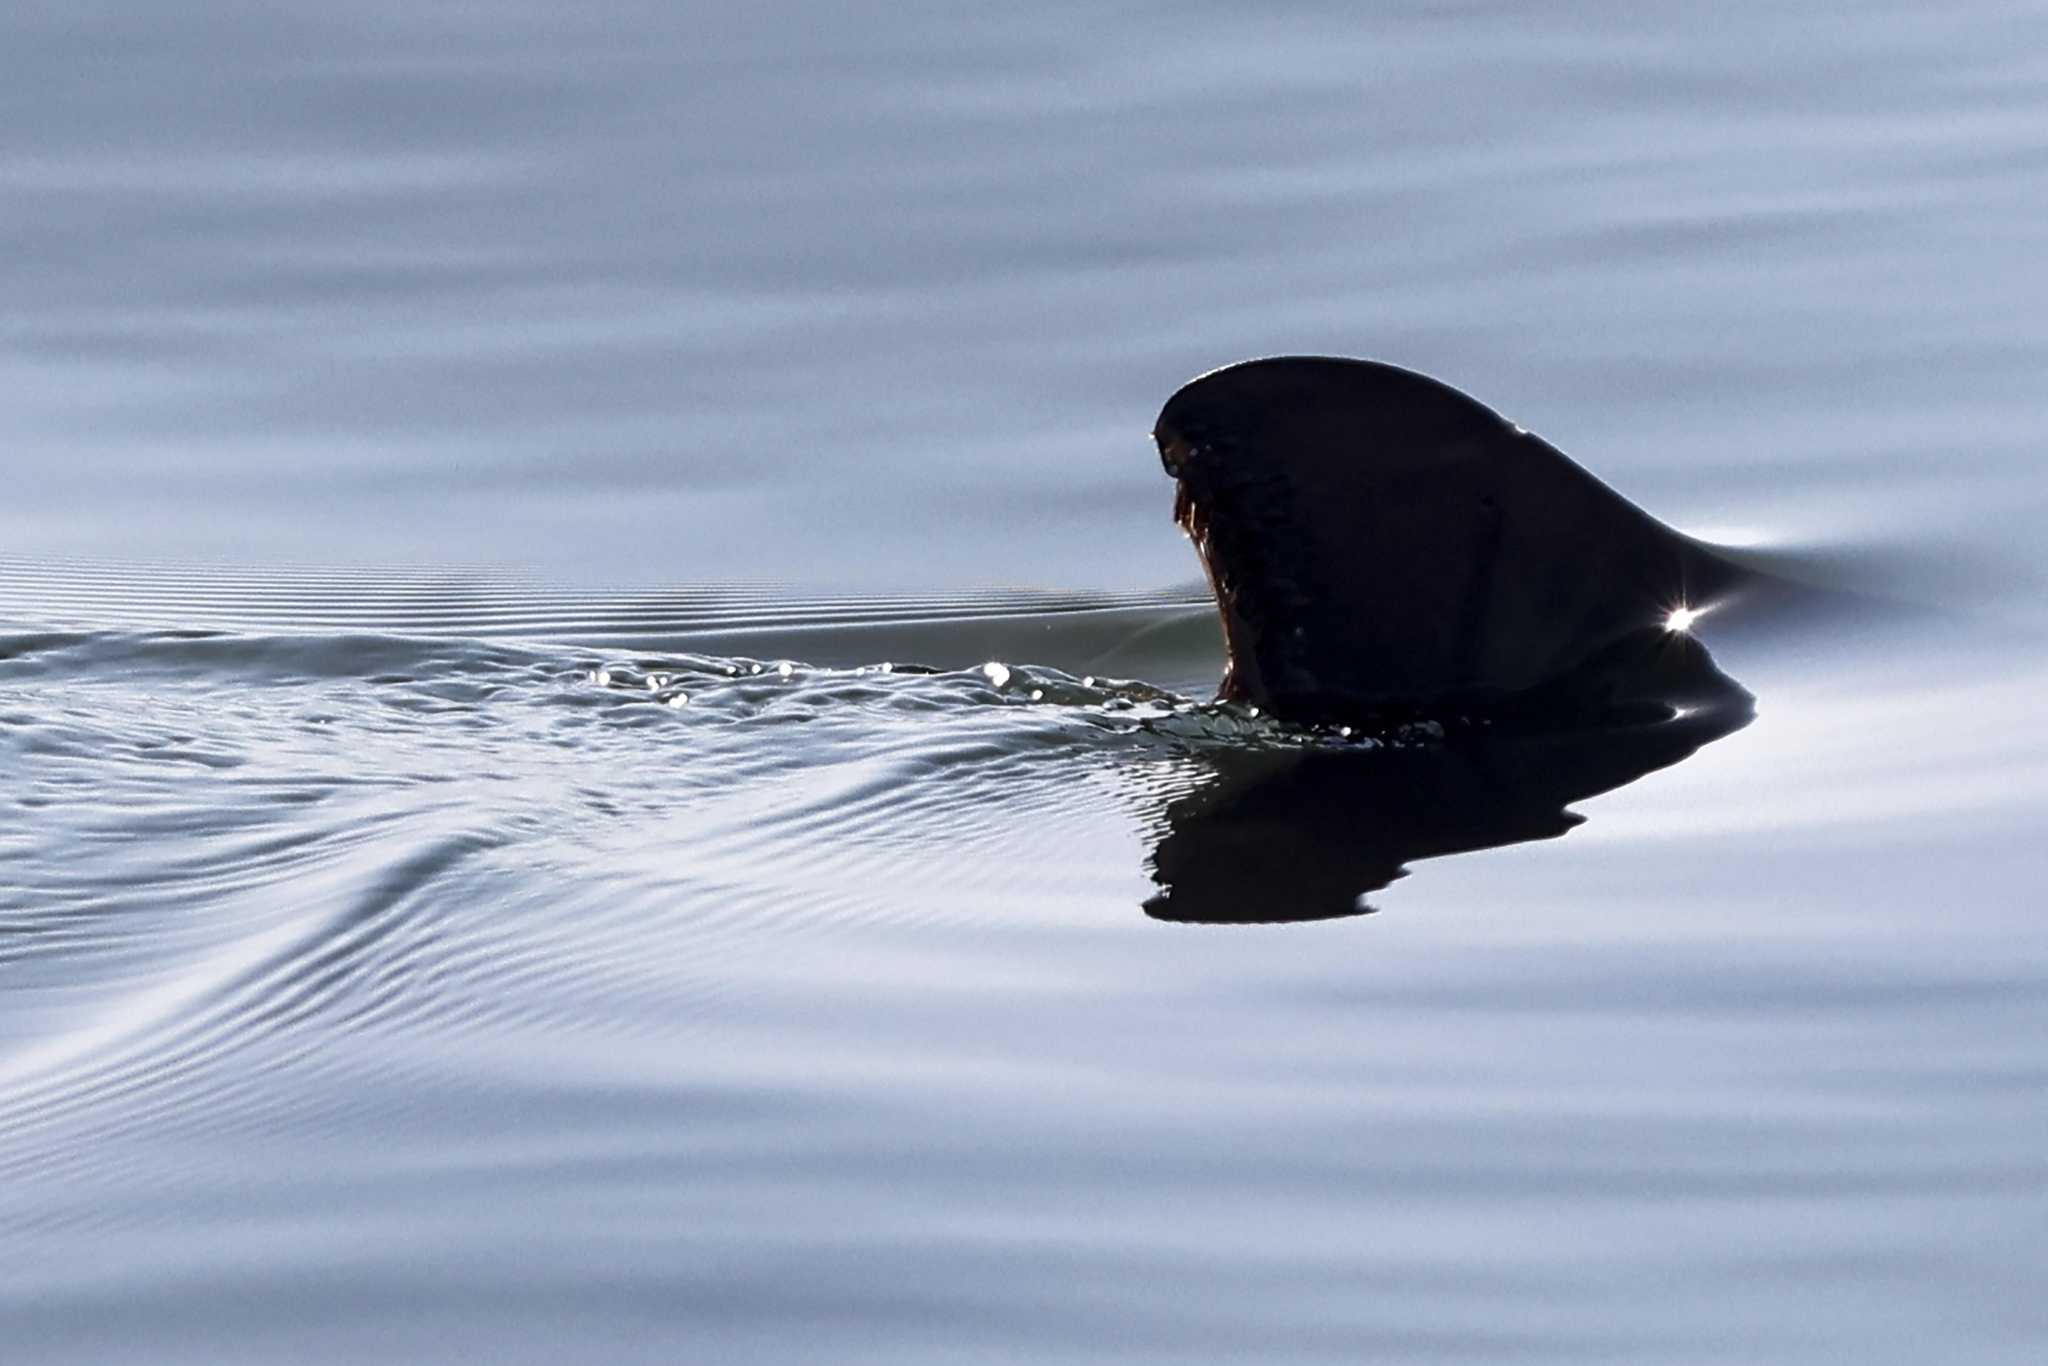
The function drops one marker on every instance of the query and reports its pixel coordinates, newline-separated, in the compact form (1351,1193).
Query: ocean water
(603,723)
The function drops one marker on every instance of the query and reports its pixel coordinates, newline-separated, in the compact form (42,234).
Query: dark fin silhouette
(1382,546)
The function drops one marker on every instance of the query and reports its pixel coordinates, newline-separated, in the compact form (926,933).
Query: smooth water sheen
(596,691)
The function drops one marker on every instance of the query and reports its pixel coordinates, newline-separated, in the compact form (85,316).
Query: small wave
(247,842)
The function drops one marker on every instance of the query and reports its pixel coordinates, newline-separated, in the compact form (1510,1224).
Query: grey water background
(400,404)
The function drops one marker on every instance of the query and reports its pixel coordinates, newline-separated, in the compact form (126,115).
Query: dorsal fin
(1380,542)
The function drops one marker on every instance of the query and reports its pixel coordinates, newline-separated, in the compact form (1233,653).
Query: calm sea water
(468,887)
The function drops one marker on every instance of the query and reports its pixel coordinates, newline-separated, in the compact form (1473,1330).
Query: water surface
(435,922)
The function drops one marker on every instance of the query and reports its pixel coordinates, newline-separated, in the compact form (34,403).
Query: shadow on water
(1288,836)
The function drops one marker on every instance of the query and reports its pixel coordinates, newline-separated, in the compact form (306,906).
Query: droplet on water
(998,674)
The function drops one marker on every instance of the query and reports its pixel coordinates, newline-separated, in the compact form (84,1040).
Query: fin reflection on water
(1280,836)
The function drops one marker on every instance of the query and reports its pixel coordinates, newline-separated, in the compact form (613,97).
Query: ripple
(296,840)
(488,604)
